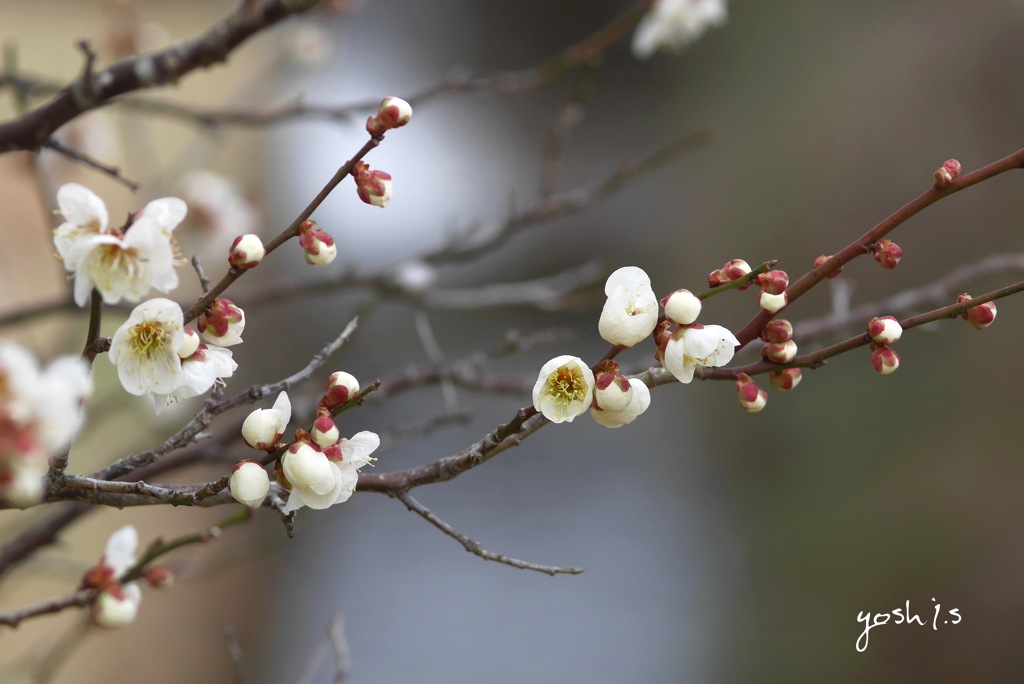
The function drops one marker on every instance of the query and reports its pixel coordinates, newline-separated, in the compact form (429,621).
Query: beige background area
(719,546)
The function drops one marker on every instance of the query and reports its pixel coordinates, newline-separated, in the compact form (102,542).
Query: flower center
(148,338)
(566,384)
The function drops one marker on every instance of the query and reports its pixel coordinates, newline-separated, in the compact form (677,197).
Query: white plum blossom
(631,310)
(564,389)
(320,479)
(145,348)
(263,427)
(40,412)
(200,370)
(119,264)
(249,483)
(682,307)
(674,24)
(640,402)
(697,345)
(118,604)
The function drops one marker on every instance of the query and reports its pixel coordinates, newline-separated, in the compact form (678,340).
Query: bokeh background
(718,546)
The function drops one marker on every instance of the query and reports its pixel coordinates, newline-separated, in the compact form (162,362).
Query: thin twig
(90,162)
(474,547)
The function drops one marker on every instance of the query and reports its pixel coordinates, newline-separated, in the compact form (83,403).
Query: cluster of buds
(945,174)
(318,247)
(752,398)
(887,253)
(732,270)
(980,316)
(117,601)
(779,346)
(820,261)
(773,297)
(884,332)
(246,252)
(394,112)
(373,187)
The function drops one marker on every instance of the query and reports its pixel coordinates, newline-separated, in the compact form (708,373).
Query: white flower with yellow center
(145,348)
(564,389)
(120,264)
(698,345)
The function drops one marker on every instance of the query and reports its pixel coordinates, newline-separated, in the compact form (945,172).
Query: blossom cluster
(40,412)
(566,386)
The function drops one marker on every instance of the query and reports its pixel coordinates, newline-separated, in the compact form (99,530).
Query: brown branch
(90,90)
(474,547)
(862,245)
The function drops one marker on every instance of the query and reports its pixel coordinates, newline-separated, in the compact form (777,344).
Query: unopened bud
(885,330)
(612,391)
(116,607)
(888,253)
(393,112)
(884,359)
(980,316)
(752,398)
(222,323)
(773,303)
(773,282)
(325,432)
(820,261)
(189,343)
(246,251)
(341,387)
(318,247)
(777,330)
(682,306)
(158,577)
(249,483)
(373,187)
(732,270)
(785,379)
(779,352)
(945,174)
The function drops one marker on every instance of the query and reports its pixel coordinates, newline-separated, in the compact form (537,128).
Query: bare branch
(474,547)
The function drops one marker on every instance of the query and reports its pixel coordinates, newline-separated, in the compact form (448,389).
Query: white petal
(356,451)
(81,206)
(326,500)
(629,278)
(166,212)
(121,547)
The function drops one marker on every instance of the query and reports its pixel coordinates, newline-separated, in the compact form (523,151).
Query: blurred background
(718,546)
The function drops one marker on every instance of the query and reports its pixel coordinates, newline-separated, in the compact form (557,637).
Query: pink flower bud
(393,112)
(785,379)
(885,330)
(222,323)
(822,259)
(732,270)
(325,432)
(341,387)
(318,246)
(980,316)
(945,174)
(246,251)
(888,253)
(779,352)
(682,306)
(612,391)
(752,398)
(159,577)
(773,282)
(249,483)
(884,360)
(773,303)
(777,330)
(373,187)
